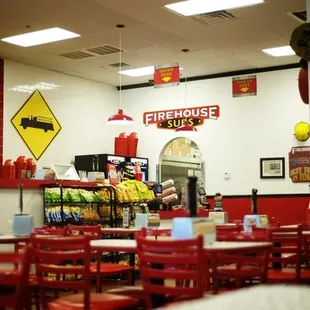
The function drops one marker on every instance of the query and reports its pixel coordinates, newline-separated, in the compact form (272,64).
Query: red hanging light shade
(186,127)
(120,118)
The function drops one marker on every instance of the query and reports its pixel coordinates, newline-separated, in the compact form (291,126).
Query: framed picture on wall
(272,168)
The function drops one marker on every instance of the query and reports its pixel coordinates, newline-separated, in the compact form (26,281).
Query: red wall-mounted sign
(168,75)
(299,164)
(244,86)
(172,119)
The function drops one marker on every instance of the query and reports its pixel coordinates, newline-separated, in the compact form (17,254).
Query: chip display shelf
(79,205)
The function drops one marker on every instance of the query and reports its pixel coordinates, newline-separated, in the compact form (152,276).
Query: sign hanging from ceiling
(166,75)
(172,119)
(299,164)
(36,124)
(244,86)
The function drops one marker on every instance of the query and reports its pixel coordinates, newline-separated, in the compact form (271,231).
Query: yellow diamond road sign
(36,124)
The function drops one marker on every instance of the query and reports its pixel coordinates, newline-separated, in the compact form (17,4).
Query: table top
(131,230)
(128,245)
(13,239)
(284,297)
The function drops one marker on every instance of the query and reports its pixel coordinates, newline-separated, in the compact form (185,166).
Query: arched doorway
(179,159)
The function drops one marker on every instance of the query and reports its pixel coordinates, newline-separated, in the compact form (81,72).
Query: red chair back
(17,279)
(51,258)
(240,264)
(286,240)
(228,228)
(154,232)
(94,232)
(156,261)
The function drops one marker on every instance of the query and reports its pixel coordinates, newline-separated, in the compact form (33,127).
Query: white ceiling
(153,35)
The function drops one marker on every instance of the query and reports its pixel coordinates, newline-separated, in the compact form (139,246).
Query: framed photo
(272,168)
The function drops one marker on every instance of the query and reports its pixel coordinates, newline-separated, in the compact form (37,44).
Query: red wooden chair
(19,297)
(51,256)
(137,291)
(228,228)
(99,269)
(188,258)
(237,267)
(287,246)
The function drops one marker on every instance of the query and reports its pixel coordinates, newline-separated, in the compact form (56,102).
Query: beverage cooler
(99,162)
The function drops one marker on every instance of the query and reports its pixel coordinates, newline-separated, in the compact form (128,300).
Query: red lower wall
(1,108)
(289,209)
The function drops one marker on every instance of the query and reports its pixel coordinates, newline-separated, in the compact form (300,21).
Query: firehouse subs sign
(172,119)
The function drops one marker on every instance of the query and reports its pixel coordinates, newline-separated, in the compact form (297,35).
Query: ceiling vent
(104,50)
(214,17)
(301,16)
(117,65)
(76,55)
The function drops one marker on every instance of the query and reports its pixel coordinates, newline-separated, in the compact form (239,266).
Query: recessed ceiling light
(280,51)
(140,71)
(195,7)
(41,37)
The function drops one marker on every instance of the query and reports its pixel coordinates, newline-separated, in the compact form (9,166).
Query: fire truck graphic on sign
(36,124)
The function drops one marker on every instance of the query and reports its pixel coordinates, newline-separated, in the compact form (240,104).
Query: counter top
(172,214)
(32,184)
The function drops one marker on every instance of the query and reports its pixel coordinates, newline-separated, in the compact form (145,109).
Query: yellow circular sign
(301,131)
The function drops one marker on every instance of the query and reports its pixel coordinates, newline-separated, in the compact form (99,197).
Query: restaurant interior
(154,154)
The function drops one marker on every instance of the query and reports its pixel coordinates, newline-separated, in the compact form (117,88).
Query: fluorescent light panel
(195,7)
(139,71)
(41,37)
(279,51)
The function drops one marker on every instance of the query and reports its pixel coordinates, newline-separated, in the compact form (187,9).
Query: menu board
(299,164)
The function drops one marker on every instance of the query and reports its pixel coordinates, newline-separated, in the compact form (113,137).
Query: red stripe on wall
(288,209)
(1,108)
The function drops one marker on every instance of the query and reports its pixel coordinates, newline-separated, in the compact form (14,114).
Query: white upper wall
(249,128)
(81,107)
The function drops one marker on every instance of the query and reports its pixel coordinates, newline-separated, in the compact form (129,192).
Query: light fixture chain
(120,67)
(185,81)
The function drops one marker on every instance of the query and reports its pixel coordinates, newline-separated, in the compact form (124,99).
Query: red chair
(157,257)
(137,291)
(20,297)
(51,257)
(235,268)
(99,269)
(227,228)
(274,222)
(287,246)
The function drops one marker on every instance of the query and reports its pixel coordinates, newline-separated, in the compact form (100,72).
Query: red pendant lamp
(186,127)
(120,118)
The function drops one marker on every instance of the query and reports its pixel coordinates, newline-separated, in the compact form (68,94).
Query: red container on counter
(8,169)
(21,167)
(31,168)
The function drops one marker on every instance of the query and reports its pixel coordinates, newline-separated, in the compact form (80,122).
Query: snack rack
(61,207)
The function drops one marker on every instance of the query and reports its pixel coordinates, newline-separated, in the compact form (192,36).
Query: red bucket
(132,147)
(121,146)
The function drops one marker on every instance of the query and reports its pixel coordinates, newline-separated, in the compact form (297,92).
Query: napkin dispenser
(258,220)
(22,225)
(153,220)
(189,227)
(219,217)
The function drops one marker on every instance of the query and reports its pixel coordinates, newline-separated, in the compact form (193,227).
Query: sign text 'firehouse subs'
(172,119)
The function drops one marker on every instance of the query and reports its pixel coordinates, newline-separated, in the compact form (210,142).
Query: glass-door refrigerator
(100,162)
(143,164)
